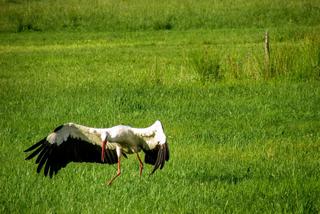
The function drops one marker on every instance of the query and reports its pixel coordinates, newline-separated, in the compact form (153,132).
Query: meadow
(242,139)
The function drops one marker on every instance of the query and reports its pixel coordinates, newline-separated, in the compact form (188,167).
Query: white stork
(76,143)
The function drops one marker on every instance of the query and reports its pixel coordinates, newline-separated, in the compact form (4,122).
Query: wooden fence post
(267,55)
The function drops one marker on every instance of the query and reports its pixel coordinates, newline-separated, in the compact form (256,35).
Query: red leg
(118,173)
(104,144)
(140,164)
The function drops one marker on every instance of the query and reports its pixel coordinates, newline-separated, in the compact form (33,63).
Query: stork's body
(77,143)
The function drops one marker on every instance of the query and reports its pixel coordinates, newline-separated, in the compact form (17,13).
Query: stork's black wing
(157,156)
(53,157)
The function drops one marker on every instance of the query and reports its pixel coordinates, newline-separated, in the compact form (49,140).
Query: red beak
(103,150)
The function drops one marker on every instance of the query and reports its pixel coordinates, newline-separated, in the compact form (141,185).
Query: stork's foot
(110,181)
(117,175)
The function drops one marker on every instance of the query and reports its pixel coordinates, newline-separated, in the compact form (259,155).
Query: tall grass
(297,60)
(294,47)
(98,15)
(207,65)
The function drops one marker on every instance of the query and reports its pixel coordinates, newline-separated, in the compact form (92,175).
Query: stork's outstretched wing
(70,143)
(157,156)
(156,149)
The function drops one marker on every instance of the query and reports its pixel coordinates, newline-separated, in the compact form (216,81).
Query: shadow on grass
(225,177)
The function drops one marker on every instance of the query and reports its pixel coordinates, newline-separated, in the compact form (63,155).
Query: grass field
(240,141)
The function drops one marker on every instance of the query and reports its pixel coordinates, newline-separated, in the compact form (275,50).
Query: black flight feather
(53,157)
(157,156)
(35,145)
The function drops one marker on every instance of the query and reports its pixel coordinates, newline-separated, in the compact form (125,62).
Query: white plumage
(77,143)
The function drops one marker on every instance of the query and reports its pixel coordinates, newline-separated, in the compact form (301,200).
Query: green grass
(241,140)
(101,15)
(236,146)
